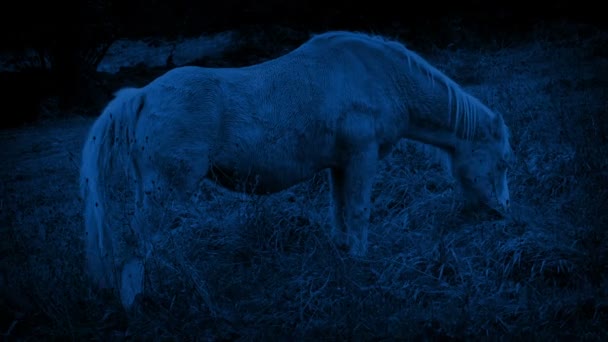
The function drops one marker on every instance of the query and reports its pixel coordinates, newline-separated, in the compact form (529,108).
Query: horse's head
(481,167)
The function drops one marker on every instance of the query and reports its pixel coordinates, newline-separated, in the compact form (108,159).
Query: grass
(238,267)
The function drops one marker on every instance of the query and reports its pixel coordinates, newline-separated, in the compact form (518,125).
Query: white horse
(340,101)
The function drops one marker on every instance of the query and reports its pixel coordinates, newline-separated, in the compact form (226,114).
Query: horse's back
(321,56)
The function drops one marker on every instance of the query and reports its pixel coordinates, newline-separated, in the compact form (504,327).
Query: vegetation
(234,266)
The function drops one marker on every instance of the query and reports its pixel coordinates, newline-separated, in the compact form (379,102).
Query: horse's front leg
(351,188)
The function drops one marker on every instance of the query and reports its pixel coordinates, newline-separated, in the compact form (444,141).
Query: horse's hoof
(132,282)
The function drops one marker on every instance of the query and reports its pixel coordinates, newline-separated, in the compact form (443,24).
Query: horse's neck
(444,140)
(430,117)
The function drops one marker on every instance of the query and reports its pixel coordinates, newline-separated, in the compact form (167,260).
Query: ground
(239,267)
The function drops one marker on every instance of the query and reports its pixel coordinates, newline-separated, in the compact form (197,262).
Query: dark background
(72,36)
(26,21)
(85,21)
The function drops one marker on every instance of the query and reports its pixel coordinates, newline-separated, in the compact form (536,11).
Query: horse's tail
(110,141)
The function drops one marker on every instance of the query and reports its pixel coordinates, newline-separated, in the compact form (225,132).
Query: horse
(339,102)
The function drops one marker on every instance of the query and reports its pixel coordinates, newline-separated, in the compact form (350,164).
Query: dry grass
(263,268)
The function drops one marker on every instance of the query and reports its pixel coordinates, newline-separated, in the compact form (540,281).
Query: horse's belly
(256,181)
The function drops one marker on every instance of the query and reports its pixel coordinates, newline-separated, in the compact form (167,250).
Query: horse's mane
(462,106)
(464,109)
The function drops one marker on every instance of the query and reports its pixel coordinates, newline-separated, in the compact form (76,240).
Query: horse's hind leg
(131,256)
(156,188)
(351,187)
(149,198)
